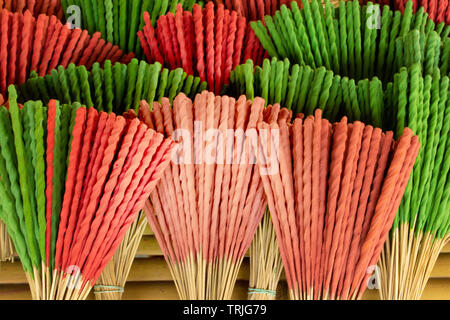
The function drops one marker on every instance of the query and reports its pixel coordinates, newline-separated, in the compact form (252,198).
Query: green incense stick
(116,88)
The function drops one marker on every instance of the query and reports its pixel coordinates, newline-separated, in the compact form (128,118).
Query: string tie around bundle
(261,291)
(101,289)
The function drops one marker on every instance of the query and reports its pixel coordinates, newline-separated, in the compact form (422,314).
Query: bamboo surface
(150,278)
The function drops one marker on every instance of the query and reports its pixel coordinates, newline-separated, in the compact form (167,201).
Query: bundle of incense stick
(72,182)
(43,43)
(6,246)
(110,285)
(438,10)
(36,7)
(304,89)
(422,226)
(208,42)
(113,88)
(333,200)
(266,265)
(209,203)
(119,21)
(350,41)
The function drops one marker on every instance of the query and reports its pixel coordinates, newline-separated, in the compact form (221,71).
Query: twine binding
(262,291)
(114,289)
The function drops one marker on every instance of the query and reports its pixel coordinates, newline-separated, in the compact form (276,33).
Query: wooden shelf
(150,278)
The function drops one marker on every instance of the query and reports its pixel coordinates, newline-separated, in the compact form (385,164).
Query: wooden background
(150,278)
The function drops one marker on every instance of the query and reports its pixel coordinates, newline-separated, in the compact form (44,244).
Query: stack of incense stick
(333,200)
(119,21)
(266,265)
(36,7)
(72,182)
(113,88)
(438,10)
(110,285)
(6,245)
(41,44)
(422,226)
(208,42)
(209,203)
(304,89)
(351,42)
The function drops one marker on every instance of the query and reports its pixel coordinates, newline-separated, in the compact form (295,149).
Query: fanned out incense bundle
(422,226)
(72,182)
(333,199)
(303,89)
(209,203)
(113,88)
(208,42)
(6,245)
(36,7)
(348,40)
(43,43)
(119,20)
(438,10)
(110,285)
(266,264)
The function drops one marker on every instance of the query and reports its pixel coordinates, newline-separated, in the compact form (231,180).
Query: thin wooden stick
(266,265)
(112,281)
(6,245)
(418,259)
